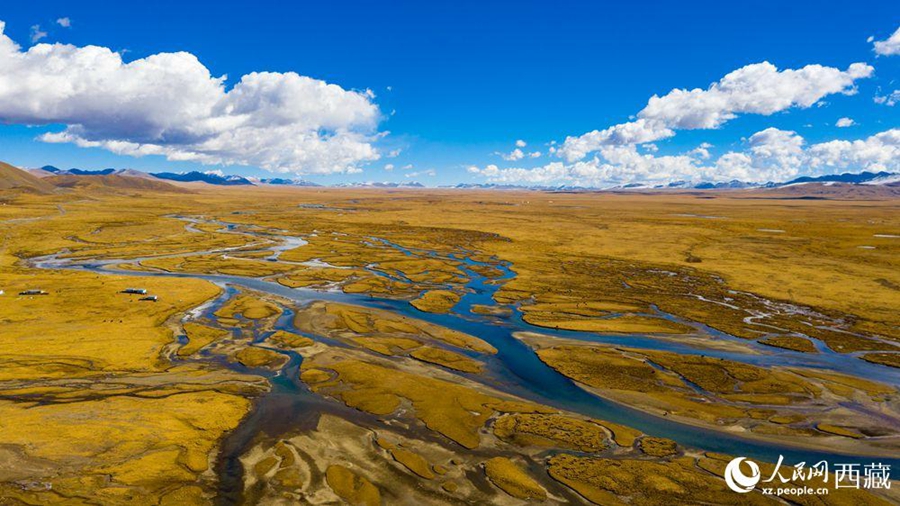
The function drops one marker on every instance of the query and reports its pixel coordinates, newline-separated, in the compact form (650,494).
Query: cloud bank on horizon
(169,104)
(772,155)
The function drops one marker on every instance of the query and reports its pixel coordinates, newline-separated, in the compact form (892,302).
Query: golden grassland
(776,402)
(618,255)
(611,464)
(286,339)
(98,400)
(352,488)
(504,473)
(621,481)
(252,356)
(229,264)
(436,301)
(451,409)
(816,262)
(89,401)
(684,479)
(200,336)
(389,334)
(889,359)
(412,461)
(446,358)
(552,431)
(248,307)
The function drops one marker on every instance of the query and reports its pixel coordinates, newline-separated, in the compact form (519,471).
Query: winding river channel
(515,369)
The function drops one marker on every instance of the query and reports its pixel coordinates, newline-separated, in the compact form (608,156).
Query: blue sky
(458,82)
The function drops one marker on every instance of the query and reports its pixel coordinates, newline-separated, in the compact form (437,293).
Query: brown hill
(112,183)
(15,178)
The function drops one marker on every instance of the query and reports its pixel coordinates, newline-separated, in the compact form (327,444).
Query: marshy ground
(418,347)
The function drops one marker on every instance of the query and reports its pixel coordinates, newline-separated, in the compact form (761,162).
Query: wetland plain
(323,346)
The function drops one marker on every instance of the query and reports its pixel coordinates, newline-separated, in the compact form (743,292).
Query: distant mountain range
(49,170)
(76,172)
(491,186)
(285,182)
(382,184)
(203,177)
(183,177)
(209,178)
(861,178)
(889,179)
(186,177)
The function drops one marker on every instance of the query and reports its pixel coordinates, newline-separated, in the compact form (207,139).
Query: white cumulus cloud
(617,165)
(890,46)
(879,152)
(889,100)
(518,153)
(844,123)
(169,104)
(36,33)
(754,89)
(634,132)
(772,155)
(64,22)
(701,151)
(512,156)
